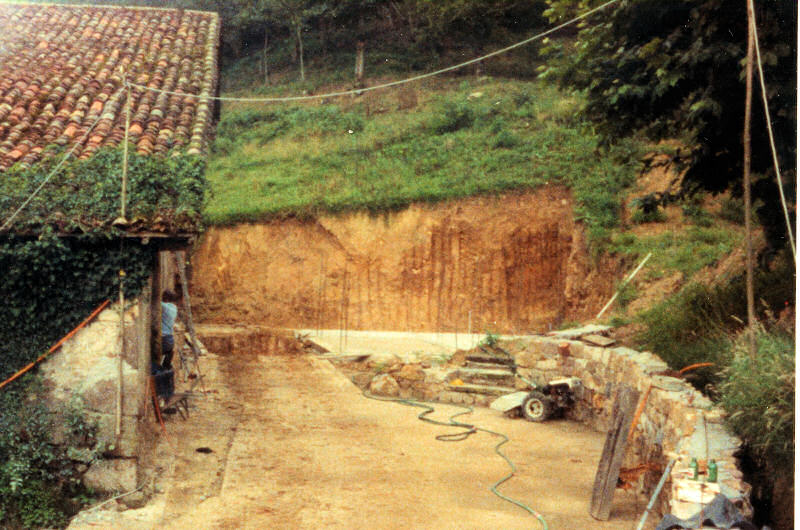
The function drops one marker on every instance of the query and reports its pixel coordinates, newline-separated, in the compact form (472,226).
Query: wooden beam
(605,482)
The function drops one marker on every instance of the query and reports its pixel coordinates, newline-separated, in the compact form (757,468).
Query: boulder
(384,385)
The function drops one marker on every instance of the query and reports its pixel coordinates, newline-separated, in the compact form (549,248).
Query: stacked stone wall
(677,421)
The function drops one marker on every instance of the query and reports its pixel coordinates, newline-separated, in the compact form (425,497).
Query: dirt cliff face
(508,264)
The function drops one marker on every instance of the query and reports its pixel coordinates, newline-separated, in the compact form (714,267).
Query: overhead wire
(392,83)
(774,150)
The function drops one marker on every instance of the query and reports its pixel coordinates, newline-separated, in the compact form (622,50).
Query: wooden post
(360,65)
(605,482)
(748,229)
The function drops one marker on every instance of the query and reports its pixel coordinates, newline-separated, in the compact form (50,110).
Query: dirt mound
(510,264)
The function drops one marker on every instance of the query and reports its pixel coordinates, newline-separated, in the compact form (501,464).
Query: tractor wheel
(537,407)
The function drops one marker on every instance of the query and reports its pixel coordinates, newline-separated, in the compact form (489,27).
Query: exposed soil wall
(509,264)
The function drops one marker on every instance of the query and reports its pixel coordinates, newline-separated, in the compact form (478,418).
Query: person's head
(169,296)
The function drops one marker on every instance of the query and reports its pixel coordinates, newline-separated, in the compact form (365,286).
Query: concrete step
(488,358)
(489,366)
(502,376)
(486,390)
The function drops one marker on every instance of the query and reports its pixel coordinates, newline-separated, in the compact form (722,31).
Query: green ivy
(83,196)
(50,284)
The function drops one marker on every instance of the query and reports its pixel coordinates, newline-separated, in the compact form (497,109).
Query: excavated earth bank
(515,263)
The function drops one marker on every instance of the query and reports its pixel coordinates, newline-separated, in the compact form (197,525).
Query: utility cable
(60,163)
(771,136)
(390,84)
(469,430)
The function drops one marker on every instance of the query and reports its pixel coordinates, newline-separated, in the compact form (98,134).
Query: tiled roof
(62,68)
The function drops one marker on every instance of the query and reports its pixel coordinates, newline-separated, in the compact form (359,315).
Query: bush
(453,116)
(758,394)
(732,209)
(641,216)
(40,481)
(691,327)
(506,140)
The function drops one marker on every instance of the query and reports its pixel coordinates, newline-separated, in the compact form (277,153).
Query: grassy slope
(300,160)
(431,141)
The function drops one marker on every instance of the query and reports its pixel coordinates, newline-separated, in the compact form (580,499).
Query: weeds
(758,395)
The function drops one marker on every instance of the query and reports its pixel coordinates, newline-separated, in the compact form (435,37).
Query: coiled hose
(463,435)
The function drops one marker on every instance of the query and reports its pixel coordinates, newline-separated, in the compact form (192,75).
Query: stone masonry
(87,367)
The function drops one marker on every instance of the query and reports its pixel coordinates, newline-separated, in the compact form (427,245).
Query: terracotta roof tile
(61,65)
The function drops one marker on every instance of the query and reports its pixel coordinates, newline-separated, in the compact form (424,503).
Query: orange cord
(57,345)
(693,366)
(640,408)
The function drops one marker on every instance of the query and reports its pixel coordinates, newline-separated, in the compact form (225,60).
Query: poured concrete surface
(295,445)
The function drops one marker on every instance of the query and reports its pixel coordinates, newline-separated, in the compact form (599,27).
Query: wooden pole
(123,199)
(748,104)
(118,423)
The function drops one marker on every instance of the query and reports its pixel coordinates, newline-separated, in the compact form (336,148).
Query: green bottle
(712,471)
(693,468)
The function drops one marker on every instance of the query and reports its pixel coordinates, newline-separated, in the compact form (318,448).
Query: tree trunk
(360,65)
(265,58)
(299,33)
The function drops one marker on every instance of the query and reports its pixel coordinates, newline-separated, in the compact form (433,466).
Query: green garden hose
(463,435)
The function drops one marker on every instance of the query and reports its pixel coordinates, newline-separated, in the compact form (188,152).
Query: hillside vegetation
(386,150)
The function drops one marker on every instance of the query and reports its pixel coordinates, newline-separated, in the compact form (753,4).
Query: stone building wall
(87,367)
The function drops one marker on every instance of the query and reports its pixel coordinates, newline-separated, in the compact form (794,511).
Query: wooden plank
(605,482)
(193,344)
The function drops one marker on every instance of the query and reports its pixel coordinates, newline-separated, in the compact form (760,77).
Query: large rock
(412,372)
(112,475)
(384,385)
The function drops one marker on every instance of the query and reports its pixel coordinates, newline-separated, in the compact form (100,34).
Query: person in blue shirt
(169,312)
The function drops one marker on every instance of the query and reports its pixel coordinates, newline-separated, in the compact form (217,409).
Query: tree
(675,69)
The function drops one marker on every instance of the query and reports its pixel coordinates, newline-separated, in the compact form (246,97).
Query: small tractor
(542,402)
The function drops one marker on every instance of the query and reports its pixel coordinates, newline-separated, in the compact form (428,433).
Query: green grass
(686,251)
(273,161)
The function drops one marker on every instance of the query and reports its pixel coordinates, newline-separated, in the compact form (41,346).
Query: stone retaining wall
(677,420)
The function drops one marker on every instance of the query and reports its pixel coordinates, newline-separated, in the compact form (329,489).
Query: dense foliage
(163,193)
(695,325)
(49,285)
(675,70)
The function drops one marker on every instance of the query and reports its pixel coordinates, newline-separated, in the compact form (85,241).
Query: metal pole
(118,422)
(655,494)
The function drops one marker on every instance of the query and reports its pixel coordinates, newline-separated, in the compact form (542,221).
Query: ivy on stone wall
(51,284)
